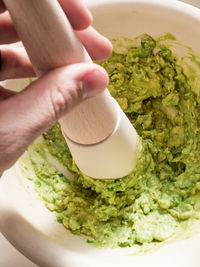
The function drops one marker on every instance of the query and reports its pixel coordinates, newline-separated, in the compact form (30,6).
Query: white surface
(9,256)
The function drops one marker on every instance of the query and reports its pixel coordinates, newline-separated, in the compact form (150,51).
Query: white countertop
(9,256)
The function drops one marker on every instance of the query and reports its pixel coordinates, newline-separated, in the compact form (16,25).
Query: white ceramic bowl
(24,220)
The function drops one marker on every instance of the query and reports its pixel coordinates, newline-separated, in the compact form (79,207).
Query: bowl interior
(133,18)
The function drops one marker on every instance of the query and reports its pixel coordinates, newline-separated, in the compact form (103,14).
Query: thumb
(28,114)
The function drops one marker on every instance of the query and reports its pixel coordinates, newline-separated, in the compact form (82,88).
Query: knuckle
(64,99)
(58,103)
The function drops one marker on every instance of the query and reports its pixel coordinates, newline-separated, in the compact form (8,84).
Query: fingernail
(94,82)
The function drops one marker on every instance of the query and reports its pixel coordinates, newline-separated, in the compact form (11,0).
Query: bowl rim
(176,5)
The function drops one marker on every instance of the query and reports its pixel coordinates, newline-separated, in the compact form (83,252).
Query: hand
(22,120)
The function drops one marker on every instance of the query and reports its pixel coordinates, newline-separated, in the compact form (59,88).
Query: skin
(55,93)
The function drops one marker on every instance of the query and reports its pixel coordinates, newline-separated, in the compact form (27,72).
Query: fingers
(77,13)
(8,33)
(15,64)
(29,113)
(98,47)
(5,93)
(2,7)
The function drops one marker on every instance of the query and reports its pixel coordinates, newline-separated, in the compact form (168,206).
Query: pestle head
(114,157)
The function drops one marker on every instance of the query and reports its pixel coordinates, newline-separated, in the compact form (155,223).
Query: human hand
(26,115)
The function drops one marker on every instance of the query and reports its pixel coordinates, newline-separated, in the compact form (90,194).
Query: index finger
(76,11)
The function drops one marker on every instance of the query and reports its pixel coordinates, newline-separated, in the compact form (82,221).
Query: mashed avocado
(153,202)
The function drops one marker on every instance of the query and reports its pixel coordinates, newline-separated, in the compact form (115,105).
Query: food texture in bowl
(159,200)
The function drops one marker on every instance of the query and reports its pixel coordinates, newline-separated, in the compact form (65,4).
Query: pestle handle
(50,43)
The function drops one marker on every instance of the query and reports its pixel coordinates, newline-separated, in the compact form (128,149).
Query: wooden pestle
(101,139)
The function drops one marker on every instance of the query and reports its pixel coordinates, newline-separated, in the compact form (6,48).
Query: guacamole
(155,200)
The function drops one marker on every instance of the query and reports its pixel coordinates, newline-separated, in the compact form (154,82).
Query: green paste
(162,193)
